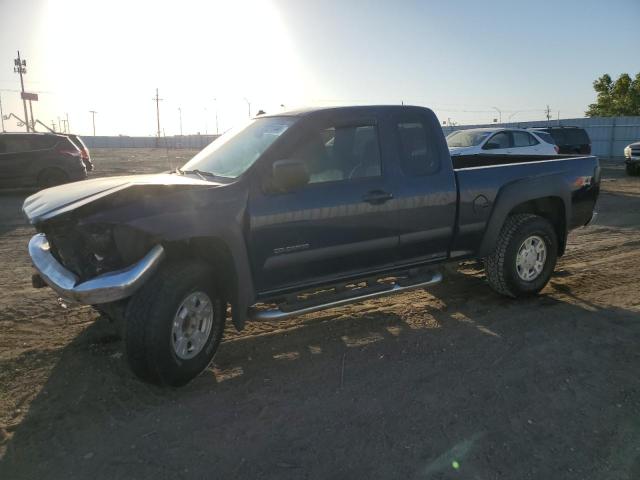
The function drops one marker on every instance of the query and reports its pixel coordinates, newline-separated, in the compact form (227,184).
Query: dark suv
(569,140)
(39,159)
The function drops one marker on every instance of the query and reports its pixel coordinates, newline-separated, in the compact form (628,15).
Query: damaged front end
(93,264)
(85,250)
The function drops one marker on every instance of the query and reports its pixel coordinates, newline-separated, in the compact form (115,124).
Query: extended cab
(294,213)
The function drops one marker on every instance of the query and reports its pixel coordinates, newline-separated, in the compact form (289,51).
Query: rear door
(526,144)
(424,189)
(340,224)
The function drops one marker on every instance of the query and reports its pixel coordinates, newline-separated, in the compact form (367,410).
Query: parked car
(84,151)
(632,158)
(39,159)
(498,141)
(295,213)
(570,140)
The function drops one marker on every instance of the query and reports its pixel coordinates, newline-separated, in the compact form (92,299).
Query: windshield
(466,138)
(234,152)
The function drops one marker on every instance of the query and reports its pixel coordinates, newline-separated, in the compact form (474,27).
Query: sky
(470,61)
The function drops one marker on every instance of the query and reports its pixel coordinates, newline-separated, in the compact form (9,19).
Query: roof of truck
(299,112)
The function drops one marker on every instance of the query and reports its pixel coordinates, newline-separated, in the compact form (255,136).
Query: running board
(279,314)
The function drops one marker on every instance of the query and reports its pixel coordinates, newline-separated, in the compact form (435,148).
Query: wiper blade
(201,173)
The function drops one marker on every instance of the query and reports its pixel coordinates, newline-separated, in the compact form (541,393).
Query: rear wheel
(524,257)
(174,324)
(52,177)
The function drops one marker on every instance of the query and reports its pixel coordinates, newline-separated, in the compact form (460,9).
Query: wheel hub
(531,258)
(192,325)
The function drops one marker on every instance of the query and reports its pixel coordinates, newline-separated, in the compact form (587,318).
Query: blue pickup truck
(294,213)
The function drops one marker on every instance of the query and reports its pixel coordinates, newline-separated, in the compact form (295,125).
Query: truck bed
(484,180)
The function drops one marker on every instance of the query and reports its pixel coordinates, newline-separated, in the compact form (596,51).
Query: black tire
(633,169)
(52,177)
(500,266)
(149,321)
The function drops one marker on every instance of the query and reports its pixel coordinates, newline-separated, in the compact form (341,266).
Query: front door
(340,224)
(14,161)
(499,143)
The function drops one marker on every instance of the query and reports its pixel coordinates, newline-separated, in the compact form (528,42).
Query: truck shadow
(409,387)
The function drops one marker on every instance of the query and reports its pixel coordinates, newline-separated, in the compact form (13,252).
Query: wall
(609,135)
(196,142)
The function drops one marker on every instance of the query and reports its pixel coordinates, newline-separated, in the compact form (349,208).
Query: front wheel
(174,324)
(524,258)
(633,169)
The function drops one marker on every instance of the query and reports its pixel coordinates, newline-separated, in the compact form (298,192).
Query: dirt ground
(451,383)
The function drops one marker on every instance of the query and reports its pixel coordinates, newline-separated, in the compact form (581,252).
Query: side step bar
(279,314)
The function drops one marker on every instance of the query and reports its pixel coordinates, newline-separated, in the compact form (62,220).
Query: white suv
(496,141)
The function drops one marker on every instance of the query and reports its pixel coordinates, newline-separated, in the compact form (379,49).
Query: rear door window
(546,137)
(416,156)
(44,142)
(523,139)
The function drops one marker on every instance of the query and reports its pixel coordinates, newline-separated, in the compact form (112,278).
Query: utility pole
(33,120)
(20,66)
(68,126)
(64,123)
(1,113)
(180,112)
(53,124)
(248,105)
(157,99)
(93,118)
(548,114)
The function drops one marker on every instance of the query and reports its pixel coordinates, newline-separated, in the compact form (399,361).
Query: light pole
(93,118)
(215,101)
(248,105)
(499,113)
(180,113)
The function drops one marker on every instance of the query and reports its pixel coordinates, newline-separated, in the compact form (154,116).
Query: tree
(619,98)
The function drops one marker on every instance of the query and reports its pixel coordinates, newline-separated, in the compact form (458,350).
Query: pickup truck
(294,213)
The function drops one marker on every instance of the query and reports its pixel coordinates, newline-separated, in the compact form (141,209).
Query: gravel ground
(454,382)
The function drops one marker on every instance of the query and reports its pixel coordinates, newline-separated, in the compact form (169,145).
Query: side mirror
(289,174)
(491,146)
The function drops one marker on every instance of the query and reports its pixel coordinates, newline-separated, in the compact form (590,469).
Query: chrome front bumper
(105,288)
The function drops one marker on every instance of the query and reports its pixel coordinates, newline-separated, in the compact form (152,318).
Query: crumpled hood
(53,201)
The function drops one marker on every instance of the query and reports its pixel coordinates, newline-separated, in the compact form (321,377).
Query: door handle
(377,197)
